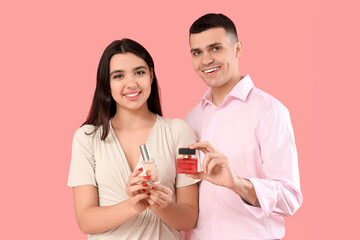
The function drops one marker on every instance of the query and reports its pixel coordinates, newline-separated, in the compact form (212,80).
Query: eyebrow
(137,68)
(208,46)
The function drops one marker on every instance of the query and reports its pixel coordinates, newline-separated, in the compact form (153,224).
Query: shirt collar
(240,91)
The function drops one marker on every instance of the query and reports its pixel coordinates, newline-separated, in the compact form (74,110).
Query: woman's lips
(132,95)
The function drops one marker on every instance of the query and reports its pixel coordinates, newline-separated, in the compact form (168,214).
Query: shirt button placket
(214,213)
(214,121)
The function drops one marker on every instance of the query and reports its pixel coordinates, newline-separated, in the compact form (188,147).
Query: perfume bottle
(187,161)
(149,167)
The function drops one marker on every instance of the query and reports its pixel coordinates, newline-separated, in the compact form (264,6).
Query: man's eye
(140,73)
(196,53)
(216,48)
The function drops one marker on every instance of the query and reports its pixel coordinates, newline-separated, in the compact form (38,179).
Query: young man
(251,176)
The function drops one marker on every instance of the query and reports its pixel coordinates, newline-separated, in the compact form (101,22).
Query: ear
(238,49)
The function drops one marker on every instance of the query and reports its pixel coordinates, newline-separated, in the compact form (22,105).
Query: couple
(250,177)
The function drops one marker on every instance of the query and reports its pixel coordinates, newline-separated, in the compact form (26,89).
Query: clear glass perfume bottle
(149,167)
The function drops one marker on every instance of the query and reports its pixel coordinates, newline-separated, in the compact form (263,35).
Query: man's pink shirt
(254,131)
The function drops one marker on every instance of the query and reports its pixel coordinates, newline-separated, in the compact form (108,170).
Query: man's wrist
(245,189)
(239,186)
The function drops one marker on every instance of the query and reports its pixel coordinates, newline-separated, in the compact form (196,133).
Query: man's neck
(220,93)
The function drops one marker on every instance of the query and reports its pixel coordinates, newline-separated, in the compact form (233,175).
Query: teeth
(211,70)
(132,95)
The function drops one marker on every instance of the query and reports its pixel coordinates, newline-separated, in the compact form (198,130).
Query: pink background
(306,54)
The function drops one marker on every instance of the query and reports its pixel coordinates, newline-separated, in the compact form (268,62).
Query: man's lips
(211,70)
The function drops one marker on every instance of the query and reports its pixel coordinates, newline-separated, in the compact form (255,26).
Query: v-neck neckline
(120,148)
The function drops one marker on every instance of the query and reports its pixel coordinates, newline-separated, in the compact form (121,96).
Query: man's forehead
(208,38)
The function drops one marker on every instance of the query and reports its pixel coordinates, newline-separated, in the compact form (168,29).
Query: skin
(130,83)
(215,49)
(215,57)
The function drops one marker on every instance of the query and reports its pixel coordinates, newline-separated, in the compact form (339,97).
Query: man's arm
(245,189)
(267,195)
(217,170)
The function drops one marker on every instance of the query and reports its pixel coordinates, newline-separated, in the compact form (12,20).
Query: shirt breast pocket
(240,146)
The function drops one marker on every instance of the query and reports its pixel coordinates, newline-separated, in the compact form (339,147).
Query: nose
(207,58)
(131,82)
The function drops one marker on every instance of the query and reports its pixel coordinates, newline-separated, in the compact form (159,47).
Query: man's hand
(217,170)
(216,166)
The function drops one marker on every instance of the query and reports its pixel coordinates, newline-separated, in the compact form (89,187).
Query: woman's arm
(93,219)
(183,213)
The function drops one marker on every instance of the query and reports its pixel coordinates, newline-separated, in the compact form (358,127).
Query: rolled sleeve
(280,192)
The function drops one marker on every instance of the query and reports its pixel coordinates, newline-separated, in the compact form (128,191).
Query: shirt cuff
(266,194)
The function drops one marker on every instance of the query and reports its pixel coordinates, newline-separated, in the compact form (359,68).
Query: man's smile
(211,71)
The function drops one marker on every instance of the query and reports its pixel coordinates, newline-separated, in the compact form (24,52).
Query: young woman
(112,200)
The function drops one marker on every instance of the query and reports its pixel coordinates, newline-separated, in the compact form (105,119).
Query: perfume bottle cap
(145,152)
(187,151)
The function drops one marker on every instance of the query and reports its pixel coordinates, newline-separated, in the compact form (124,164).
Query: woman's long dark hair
(104,106)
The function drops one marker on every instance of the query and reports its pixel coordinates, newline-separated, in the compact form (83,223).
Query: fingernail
(145,185)
(152,187)
(140,169)
(148,194)
(146,177)
(144,190)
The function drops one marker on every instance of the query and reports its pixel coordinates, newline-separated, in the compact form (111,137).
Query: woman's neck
(126,119)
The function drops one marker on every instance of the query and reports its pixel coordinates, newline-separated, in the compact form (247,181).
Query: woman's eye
(118,76)
(140,73)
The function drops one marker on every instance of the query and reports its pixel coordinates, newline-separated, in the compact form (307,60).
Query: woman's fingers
(160,197)
(152,205)
(159,194)
(136,189)
(138,180)
(157,200)
(136,183)
(139,197)
(161,188)
(156,203)
(136,172)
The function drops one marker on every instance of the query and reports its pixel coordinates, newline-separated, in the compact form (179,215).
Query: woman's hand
(136,189)
(160,197)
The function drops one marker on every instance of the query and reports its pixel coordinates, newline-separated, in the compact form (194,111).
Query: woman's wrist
(133,211)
